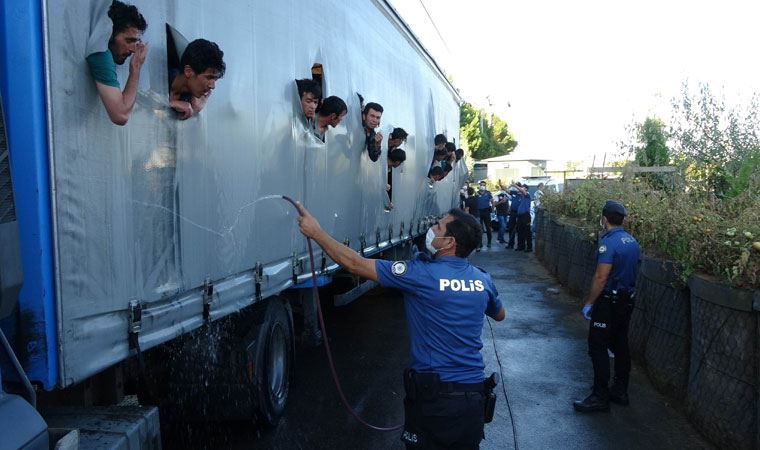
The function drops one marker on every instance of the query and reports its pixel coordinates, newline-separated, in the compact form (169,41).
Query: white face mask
(429,237)
(482,188)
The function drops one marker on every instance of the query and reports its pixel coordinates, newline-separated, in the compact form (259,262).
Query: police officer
(485,205)
(608,308)
(514,205)
(524,236)
(445,299)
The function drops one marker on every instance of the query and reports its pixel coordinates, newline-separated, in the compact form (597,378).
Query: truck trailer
(158,257)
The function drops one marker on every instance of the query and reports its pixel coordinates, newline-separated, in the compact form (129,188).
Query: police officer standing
(608,308)
(447,394)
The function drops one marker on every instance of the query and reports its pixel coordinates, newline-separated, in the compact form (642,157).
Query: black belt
(451,386)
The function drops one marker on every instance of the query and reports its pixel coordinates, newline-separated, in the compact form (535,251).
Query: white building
(510,167)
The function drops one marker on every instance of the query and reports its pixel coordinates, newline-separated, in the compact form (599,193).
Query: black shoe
(518,249)
(509,247)
(528,250)
(501,242)
(488,245)
(592,403)
(619,396)
(477,249)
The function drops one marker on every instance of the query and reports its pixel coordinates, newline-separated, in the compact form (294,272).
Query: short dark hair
(201,55)
(372,105)
(332,105)
(397,155)
(470,191)
(399,133)
(125,16)
(450,147)
(614,218)
(440,139)
(435,170)
(459,154)
(466,230)
(307,85)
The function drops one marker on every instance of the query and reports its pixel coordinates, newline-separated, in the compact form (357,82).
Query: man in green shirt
(125,41)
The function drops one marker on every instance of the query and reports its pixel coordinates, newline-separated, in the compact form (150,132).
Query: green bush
(706,234)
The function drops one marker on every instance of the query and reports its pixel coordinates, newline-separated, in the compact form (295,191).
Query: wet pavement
(542,348)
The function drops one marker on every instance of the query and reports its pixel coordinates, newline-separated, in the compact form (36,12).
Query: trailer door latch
(134,325)
(208,297)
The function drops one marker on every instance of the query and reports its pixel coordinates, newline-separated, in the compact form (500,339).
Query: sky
(569,76)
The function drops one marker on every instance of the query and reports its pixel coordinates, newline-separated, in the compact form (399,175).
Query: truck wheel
(271,354)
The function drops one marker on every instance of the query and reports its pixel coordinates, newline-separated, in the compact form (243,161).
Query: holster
(490,397)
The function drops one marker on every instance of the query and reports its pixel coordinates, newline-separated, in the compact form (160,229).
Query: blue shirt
(484,199)
(620,249)
(514,202)
(445,300)
(524,205)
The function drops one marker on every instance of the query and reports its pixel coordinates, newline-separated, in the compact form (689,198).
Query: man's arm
(598,282)
(499,316)
(118,103)
(345,256)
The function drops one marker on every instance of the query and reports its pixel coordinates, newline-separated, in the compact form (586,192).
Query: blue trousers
(502,227)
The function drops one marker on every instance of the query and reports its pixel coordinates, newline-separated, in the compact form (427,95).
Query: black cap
(611,206)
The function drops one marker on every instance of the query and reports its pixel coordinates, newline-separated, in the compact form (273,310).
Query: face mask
(481,188)
(429,237)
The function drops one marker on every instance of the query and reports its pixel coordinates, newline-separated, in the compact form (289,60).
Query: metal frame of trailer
(159,227)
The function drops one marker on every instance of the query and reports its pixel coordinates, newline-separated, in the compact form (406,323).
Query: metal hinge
(390,233)
(258,274)
(377,237)
(362,244)
(347,242)
(401,230)
(208,297)
(323,263)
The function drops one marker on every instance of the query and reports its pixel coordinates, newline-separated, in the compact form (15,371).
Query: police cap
(611,206)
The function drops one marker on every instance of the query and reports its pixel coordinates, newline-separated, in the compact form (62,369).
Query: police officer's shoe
(619,396)
(592,403)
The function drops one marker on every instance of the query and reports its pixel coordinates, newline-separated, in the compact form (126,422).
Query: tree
(486,135)
(717,145)
(653,148)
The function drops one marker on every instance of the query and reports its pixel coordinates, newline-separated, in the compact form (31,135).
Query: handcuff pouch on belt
(421,385)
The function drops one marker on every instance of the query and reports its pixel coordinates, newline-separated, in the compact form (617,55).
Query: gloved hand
(586,311)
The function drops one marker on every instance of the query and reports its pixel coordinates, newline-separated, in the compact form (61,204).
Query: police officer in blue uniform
(448,397)
(524,236)
(608,309)
(514,205)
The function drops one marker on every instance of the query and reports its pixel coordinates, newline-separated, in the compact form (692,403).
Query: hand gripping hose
(330,362)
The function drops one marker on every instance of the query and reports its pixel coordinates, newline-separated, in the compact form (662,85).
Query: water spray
(328,351)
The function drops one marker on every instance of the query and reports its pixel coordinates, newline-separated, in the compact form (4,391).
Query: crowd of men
(193,73)
(508,210)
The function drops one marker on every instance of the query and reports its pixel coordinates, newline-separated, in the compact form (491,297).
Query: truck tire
(271,352)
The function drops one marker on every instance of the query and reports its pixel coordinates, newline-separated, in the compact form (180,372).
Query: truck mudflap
(110,427)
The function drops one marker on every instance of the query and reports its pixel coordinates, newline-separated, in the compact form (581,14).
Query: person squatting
(448,398)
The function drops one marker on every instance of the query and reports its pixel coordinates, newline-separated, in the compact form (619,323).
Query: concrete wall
(698,340)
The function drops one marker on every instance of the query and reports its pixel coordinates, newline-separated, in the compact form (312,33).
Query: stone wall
(699,341)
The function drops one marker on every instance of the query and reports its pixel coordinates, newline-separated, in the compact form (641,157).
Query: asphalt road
(542,348)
